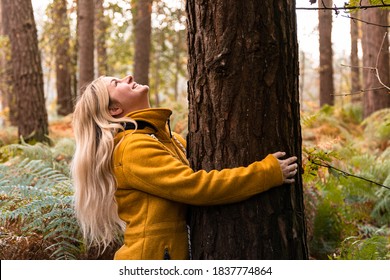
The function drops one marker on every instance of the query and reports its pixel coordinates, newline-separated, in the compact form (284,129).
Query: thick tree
(375,56)
(86,10)
(326,53)
(62,57)
(143,31)
(27,70)
(243,105)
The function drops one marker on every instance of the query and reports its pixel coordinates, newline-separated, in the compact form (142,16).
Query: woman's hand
(288,166)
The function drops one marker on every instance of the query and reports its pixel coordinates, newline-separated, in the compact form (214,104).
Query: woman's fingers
(290,160)
(278,155)
(289,181)
(288,166)
(292,167)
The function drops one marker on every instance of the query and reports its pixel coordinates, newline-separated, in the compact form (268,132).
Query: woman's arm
(145,164)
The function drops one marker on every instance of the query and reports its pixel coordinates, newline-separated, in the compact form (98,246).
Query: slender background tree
(86,10)
(61,44)
(142,29)
(101,36)
(326,53)
(356,84)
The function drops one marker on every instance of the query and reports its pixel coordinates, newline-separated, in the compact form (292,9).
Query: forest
(239,86)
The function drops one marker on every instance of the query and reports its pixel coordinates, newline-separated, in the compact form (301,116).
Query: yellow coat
(155,185)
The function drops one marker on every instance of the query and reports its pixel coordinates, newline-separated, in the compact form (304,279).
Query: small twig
(346,174)
(359,92)
(377,62)
(344,8)
(374,69)
(366,22)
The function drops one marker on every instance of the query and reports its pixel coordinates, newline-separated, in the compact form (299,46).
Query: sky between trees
(307,22)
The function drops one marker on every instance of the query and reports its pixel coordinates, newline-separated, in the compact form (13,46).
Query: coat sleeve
(147,166)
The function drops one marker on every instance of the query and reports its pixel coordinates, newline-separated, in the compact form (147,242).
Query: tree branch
(359,92)
(369,23)
(346,174)
(377,62)
(375,69)
(337,9)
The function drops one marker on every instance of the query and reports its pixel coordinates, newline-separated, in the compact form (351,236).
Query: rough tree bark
(27,71)
(326,53)
(244,104)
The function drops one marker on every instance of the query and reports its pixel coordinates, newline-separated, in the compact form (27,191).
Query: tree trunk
(355,69)
(157,63)
(143,31)
(27,71)
(86,10)
(62,56)
(376,96)
(326,53)
(244,104)
(3,62)
(7,94)
(100,31)
(302,74)
(178,57)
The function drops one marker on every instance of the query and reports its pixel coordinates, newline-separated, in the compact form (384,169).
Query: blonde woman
(131,174)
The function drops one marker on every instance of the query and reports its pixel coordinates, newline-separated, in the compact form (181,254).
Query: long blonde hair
(92,171)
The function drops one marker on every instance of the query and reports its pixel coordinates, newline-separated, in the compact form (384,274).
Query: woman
(130,173)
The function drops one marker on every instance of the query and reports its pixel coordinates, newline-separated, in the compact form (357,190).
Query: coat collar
(156,117)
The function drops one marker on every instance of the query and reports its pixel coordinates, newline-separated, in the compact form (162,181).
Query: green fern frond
(37,151)
(40,199)
(381,210)
(375,247)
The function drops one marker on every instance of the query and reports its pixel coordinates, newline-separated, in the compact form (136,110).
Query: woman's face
(126,95)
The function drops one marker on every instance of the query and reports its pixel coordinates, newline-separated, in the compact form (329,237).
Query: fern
(377,127)
(349,210)
(381,211)
(39,198)
(375,247)
(37,151)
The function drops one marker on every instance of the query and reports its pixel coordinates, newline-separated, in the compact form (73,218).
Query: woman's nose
(128,79)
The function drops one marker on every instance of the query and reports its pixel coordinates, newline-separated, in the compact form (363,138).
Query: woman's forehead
(108,80)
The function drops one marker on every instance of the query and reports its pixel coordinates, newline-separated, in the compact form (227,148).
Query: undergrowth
(347,184)
(36,203)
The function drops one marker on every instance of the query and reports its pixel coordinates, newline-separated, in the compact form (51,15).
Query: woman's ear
(115,110)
